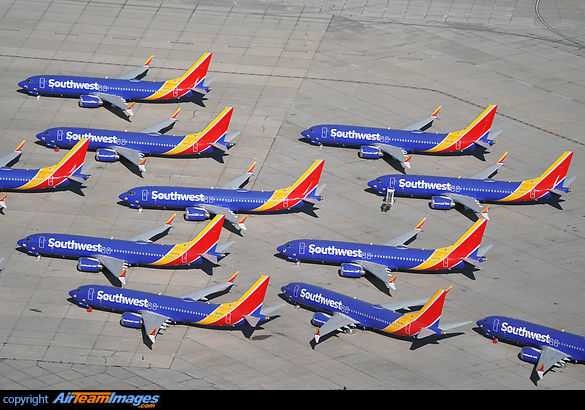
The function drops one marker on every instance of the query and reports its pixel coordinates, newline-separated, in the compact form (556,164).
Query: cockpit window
(288,245)
(28,239)
(130,192)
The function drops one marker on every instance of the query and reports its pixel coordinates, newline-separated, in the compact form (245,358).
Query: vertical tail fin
(73,161)
(555,175)
(250,304)
(431,312)
(479,128)
(212,135)
(308,181)
(195,76)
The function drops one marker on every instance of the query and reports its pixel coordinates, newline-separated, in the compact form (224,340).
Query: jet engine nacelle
(130,319)
(90,101)
(370,152)
(319,319)
(351,270)
(106,155)
(88,265)
(442,202)
(195,214)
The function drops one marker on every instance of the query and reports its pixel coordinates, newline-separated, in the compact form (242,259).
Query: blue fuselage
(354,136)
(393,257)
(127,300)
(18,178)
(77,246)
(534,335)
(148,144)
(236,200)
(74,86)
(324,300)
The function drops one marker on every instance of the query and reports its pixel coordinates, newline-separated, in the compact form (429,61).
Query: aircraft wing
(148,235)
(242,179)
(396,152)
(337,321)
(160,126)
(136,72)
(229,215)
(153,323)
(404,304)
(489,171)
(549,356)
(7,159)
(423,124)
(400,240)
(202,294)
(117,101)
(468,202)
(132,155)
(379,271)
(116,266)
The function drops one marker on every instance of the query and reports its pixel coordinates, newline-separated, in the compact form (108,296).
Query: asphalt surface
(285,66)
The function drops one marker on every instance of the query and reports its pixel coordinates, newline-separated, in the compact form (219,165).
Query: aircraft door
(175,92)
(392,184)
(184,257)
(145,194)
(446,262)
(196,147)
(533,193)
(59,135)
(296,291)
(302,248)
(42,82)
(458,145)
(228,318)
(496,325)
(324,132)
(41,242)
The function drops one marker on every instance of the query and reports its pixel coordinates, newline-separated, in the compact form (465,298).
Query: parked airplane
(115,255)
(375,142)
(111,145)
(69,169)
(445,192)
(153,312)
(93,91)
(357,258)
(345,312)
(544,346)
(199,203)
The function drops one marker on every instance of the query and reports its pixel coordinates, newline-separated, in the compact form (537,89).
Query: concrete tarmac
(285,66)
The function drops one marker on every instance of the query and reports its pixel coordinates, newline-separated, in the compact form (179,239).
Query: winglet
(122,277)
(501,160)
(484,213)
(317,335)
(231,280)
(148,61)
(241,223)
(391,283)
(406,162)
(170,221)
(434,114)
(128,109)
(19,148)
(251,169)
(174,116)
(2,203)
(421,223)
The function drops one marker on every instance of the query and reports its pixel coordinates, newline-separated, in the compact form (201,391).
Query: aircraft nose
(480,323)
(281,248)
(283,289)
(305,133)
(73,293)
(373,184)
(124,196)
(22,84)
(21,242)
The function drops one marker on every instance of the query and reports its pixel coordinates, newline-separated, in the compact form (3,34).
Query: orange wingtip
(176,113)
(123,274)
(486,209)
(130,106)
(407,160)
(20,146)
(148,61)
(421,223)
(3,197)
(393,280)
(249,171)
(231,280)
(142,162)
(501,160)
(241,221)
(436,112)
(152,332)
(170,220)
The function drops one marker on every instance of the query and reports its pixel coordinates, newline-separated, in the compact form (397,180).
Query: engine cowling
(529,354)
(319,319)
(106,155)
(442,202)
(195,214)
(88,265)
(90,101)
(351,270)
(130,319)
(370,152)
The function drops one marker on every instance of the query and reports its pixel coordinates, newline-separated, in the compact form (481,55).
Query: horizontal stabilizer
(211,258)
(482,144)
(3,201)
(568,181)
(221,248)
(266,311)
(252,320)
(483,250)
(77,179)
(231,136)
